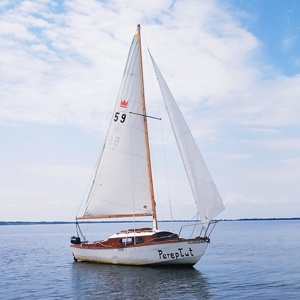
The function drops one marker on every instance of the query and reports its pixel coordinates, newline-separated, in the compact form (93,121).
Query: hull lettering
(175,255)
(197,242)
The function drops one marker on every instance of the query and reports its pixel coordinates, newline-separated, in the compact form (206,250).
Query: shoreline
(3,223)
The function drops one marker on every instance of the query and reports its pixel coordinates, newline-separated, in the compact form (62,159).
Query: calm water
(245,260)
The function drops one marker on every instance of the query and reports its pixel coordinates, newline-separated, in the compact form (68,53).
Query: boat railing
(205,231)
(126,237)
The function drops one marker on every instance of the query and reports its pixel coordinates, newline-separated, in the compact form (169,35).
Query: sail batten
(207,198)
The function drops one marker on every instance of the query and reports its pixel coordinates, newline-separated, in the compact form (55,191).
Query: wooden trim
(113,216)
(146,130)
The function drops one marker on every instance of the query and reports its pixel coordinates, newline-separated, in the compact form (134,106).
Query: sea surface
(245,260)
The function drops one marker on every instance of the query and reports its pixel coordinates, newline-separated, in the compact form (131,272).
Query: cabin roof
(136,232)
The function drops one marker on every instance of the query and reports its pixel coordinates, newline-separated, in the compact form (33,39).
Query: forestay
(207,198)
(121,185)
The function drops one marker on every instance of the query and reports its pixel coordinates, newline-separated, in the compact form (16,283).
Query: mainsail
(207,198)
(121,185)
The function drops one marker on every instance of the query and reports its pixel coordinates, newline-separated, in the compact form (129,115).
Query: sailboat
(123,186)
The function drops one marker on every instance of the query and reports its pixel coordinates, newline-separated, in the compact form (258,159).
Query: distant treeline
(264,219)
(184,221)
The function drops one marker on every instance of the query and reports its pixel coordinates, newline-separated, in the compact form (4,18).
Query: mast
(146,133)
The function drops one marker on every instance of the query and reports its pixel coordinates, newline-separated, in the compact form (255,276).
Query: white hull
(177,253)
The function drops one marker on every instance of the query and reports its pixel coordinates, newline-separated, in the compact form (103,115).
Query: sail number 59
(122,119)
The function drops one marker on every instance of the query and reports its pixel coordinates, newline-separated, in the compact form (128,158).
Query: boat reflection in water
(123,282)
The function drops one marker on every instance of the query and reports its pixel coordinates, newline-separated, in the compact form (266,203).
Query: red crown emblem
(124,103)
(117,128)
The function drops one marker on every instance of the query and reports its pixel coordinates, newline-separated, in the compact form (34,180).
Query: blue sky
(276,24)
(233,67)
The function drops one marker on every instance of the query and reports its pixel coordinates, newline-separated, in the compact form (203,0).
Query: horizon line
(74,222)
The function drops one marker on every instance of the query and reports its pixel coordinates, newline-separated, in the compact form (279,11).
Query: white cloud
(294,161)
(234,198)
(262,129)
(65,68)
(59,171)
(17,30)
(288,43)
(54,203)
(233,156)
(281,143)
(87,49)
(74,62)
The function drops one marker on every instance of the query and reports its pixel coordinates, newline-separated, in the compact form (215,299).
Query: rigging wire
(89,186)
(133,180)
(150,144)
(162,135)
